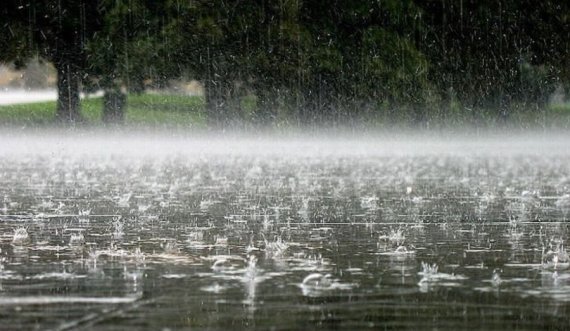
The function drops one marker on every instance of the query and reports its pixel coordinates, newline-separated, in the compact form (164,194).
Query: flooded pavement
(150,234)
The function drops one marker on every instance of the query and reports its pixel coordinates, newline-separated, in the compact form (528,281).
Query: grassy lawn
(562,109)
(178,111)
(142,110)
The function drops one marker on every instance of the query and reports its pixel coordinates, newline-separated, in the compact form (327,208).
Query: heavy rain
(284,165)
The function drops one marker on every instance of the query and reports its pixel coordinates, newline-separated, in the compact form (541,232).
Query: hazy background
(419,64)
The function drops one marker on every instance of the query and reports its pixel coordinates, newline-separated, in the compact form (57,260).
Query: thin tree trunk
(266,106)
(215,93)
(68,107)
(114,102)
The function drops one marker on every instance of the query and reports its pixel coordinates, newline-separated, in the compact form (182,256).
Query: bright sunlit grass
(143,109)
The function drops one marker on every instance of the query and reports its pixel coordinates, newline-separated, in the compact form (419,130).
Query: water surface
(120,233)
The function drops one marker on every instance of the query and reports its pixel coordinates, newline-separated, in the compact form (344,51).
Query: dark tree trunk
(313,109)
(267,106)
(305,109)
(419,119)
(114,102)
(68,78)
(216,103)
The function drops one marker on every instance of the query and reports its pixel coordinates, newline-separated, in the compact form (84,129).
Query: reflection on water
(284,241)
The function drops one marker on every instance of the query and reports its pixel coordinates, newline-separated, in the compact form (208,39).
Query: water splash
(556,258)
(20,236)
(118,228)
(76,239)
(496,279)
(275,249)
(317,284)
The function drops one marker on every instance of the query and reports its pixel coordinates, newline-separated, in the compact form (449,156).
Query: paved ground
(10,97)
(16,96)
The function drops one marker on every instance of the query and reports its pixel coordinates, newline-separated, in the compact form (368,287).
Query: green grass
(39,113)
(167,110)
(561,109)
(177,111)
(142,110)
